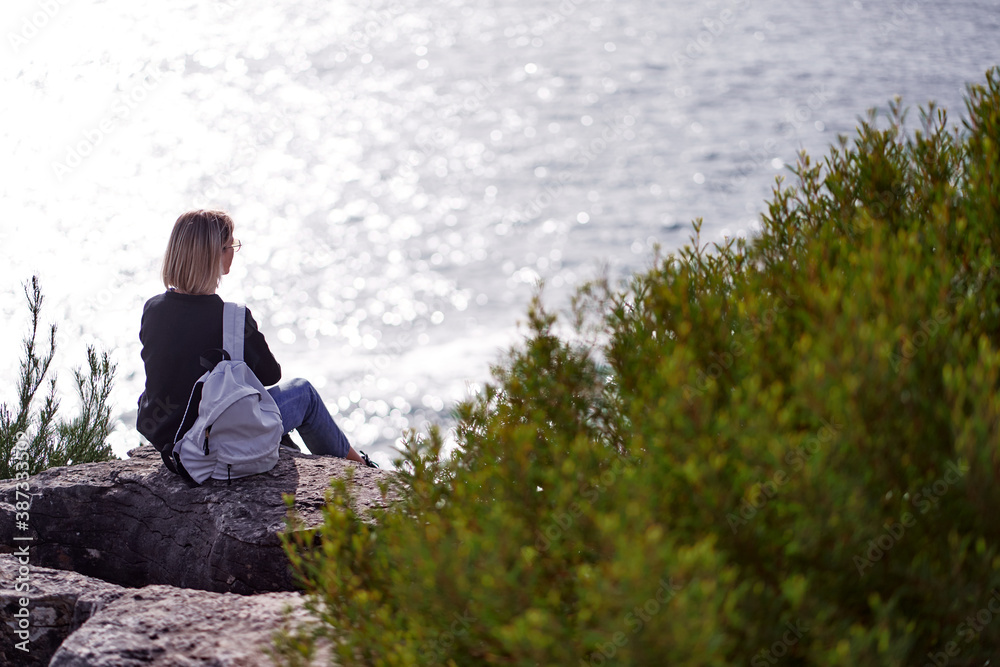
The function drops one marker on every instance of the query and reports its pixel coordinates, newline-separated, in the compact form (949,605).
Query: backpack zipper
(229,473)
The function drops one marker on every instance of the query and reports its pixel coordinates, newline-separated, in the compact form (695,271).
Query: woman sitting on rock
(181,324)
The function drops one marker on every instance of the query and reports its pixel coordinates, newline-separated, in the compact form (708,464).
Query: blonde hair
(193,260)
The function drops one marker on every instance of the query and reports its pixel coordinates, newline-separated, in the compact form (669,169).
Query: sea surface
(404,174)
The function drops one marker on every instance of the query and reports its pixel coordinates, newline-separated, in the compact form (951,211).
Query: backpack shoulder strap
(194,390)
(234,318)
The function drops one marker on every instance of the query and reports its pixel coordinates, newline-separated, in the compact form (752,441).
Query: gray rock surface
(134,523)
(164,626)
(59,603)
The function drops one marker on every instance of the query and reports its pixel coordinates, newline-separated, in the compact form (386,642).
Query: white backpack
(238,429)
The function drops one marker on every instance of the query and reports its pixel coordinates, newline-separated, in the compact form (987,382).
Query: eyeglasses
(236,246)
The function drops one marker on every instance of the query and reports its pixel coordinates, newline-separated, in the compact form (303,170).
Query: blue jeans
(302,409)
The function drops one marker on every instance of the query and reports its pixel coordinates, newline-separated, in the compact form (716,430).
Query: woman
(184,322)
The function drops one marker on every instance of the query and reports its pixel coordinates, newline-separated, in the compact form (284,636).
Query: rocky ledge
(127,564)
(134,523)
(77,621)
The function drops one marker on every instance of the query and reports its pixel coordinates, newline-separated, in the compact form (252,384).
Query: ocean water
(403,174)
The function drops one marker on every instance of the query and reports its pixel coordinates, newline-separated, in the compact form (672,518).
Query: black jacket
(176,330)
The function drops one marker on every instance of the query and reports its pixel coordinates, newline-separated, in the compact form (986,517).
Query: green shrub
(46,441)
(783,449)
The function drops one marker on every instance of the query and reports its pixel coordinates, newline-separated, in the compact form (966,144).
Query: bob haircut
(193,260)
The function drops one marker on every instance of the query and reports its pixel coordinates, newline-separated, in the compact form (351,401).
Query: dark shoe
(367,460)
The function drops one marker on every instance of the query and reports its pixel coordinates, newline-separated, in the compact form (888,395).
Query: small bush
(783,449)
(51,442)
